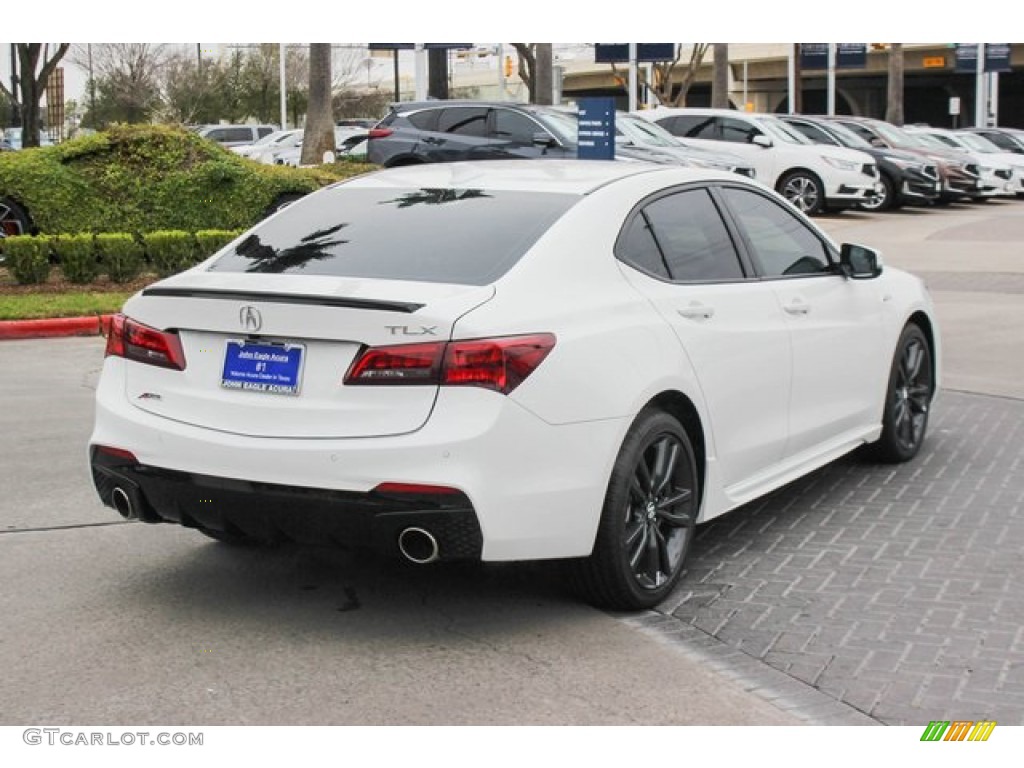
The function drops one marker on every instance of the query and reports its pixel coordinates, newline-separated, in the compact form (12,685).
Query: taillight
(500,364)
(135,341)
(379,133)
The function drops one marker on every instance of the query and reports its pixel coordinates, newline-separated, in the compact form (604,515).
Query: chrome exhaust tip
(418,546)
(123,503)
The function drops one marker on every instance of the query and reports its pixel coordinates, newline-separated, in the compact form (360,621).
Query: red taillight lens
(415,489)
(402,364)
(500,364)
(135,341)
(379,133)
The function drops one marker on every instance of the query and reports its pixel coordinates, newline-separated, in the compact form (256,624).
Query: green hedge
(171,251)
(27,257)
(212,240)
(121,256)
(77,257)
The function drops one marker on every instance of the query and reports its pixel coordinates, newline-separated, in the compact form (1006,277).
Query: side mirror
(761,140)
(859,262)
(542,139)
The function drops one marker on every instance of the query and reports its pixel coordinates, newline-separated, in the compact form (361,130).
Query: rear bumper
(270,512)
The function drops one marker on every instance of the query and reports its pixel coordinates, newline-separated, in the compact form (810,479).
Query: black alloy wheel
(908,399)
(648,518)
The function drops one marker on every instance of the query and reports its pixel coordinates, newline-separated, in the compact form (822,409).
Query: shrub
(77,257)
(212,240)
(121,256)
(27,258)
(170,251)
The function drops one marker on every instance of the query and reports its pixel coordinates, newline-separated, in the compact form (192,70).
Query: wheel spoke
(643,475)
(665,467)
(641,547)
(912,362)
(653,556)
(680,495)
(664,558)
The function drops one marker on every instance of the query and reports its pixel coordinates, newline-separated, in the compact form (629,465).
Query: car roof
(557,176)
(441,104)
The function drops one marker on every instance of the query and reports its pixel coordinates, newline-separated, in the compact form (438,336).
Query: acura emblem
(250,318)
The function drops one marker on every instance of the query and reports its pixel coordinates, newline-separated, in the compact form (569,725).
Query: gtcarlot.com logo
(958,730)
(59,736)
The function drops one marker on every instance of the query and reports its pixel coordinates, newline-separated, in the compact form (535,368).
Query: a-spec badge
(250,318)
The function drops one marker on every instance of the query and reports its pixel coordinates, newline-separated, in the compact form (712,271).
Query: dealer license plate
(273,368)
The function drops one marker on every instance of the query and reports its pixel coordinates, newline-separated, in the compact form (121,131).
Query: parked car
(960,174)
(812,177)
(272,142)
(236,135)
(345,138)
(1007,139)
(141,179)
(996,176)
(633,131)
(415,376)
(1007,167)
(907,179)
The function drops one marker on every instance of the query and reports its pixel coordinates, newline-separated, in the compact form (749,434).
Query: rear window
(446,235)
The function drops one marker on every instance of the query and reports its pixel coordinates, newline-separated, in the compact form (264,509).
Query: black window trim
(746,266)
(750,254)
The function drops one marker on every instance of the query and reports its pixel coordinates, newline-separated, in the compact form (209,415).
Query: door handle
(797,307)
(697,312)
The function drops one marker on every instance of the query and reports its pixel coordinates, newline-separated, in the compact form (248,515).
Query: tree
(720,76)
(32,79)
(894,96)
(318,136)
(664,86)
(535,70)
(126,78)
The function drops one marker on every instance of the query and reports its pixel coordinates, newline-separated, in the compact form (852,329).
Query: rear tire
(884,201)
(648,519)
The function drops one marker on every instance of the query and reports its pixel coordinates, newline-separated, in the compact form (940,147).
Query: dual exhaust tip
(416,544)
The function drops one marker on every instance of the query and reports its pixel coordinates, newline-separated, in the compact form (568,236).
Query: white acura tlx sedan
(511,360)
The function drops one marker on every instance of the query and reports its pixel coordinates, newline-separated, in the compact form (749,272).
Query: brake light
(501,364)
(134,341)
(415,489)
(379,133)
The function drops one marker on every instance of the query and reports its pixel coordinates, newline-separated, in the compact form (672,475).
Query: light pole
(284,90)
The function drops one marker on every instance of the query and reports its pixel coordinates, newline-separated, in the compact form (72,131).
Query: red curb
(55,327)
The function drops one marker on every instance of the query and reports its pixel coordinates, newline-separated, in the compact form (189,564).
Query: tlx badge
(405,330)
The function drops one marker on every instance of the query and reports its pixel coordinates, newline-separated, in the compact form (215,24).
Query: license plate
(273,368)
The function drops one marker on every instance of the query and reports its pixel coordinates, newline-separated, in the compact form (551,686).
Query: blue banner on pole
(997,57)
(813,55)
(851,55)
(596,129)
(618,53)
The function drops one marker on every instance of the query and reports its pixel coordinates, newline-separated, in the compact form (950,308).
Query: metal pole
(421,72)
(993,97)
(791,77)
(501,73)
(745,96)
(831,79)
(284,88)
(632,77)
(979,88)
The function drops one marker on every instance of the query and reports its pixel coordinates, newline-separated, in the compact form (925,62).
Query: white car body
(269,145)
(848,176)
(292,155)
(1001,171)
(783,375)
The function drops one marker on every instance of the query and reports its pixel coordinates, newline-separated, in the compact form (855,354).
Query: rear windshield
(462,236)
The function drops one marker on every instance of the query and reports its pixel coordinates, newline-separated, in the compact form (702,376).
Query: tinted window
(636,247)
(738,131)
(512,126)
(694,126)
(425,120)
(467,236)
(693,238)
(1001,141)
(813,132)
(265,131)
(466,121)
(861,131)
(781,243)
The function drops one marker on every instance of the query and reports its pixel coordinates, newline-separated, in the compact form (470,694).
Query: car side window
(781,243)
(861,131)
(264,130)
(465,121)
(425,120)
(738,131)
(694,126)
(514,127)
(814,133)
(682,237)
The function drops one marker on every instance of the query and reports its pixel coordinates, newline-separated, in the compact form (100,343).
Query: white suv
(813,177)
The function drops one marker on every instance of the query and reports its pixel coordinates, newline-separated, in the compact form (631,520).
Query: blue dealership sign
(596,129)
(851,55)
(813,55)
(997,57)
(618,53)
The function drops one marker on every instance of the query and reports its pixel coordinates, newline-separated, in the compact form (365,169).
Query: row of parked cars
(818,163)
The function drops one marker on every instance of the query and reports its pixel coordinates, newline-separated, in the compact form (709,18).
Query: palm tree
(894,99)
(318,136)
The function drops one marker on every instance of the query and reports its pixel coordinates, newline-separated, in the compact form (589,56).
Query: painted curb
(56,327)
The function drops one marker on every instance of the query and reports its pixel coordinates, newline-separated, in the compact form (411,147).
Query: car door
(512,135)
(683,259)
(460,132)
(839,364)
